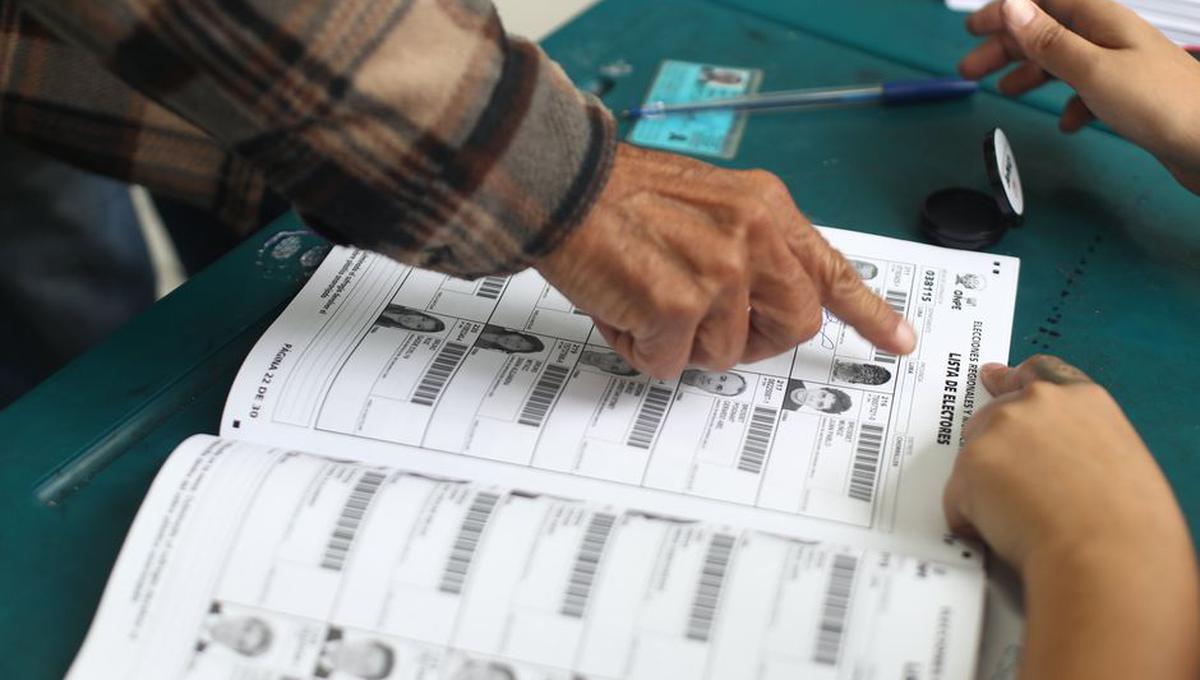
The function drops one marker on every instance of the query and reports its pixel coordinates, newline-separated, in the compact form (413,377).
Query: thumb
(1000,379)
(956,504)
(1054,47)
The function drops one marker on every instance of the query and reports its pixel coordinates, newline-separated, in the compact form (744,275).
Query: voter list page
(249,563)
(378,360)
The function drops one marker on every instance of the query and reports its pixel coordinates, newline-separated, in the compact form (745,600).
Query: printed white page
(264,564)
(503,379)
(1179,20)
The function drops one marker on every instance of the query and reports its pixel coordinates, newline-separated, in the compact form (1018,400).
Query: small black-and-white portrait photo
(508,341)
(860,372)
(865,270)
(398,316)
(609,362)
(816,398)
(245,634)
(479,669)
(720,383)
(361,656)
(721,76)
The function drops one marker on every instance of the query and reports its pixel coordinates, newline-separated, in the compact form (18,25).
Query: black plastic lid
(962,218)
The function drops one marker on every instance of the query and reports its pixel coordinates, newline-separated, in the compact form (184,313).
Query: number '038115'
(927,283)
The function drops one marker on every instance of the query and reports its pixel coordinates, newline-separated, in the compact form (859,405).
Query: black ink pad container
(970,219)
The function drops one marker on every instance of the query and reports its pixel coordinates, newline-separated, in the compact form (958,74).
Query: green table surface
(1110,274)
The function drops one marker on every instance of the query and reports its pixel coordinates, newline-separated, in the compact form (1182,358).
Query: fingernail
(1019,12)
(906,338)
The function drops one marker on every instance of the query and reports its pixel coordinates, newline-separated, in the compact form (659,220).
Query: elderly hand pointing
(682,262)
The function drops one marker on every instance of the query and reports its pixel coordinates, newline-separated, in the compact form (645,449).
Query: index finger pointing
(838,284)
(859,307)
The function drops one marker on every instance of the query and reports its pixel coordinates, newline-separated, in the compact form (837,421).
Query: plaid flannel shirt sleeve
(416,128)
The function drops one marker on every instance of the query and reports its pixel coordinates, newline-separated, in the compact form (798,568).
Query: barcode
(758,439)
(587,562)
(355,508)
(708,592)
(654,407)
(491,286)
(547,387)
(435,378)
(835,610)
(459,562)
(897,300)
(866,462)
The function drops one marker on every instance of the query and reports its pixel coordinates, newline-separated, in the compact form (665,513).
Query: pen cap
(970,219)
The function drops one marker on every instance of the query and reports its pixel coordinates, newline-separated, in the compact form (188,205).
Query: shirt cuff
(513,187)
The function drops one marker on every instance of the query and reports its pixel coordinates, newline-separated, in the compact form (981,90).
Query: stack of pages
(1178,19)
(420,477)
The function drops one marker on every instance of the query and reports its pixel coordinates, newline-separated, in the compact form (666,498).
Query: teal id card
(708,133)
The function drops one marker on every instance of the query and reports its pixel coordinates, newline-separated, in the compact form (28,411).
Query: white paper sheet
(508,382)
(256,563)
(1178,19)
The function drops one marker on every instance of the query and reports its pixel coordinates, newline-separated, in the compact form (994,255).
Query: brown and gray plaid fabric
(413,127)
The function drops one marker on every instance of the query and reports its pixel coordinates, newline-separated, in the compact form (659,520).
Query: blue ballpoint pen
(894,92)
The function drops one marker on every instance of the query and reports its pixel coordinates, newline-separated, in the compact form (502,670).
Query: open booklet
(423,477)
